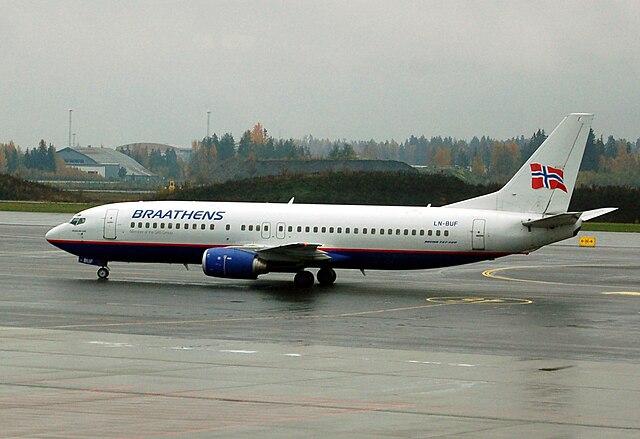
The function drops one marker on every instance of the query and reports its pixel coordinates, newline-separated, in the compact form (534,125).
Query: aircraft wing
(295,252)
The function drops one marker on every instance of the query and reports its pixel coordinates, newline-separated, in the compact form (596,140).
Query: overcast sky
(148,71)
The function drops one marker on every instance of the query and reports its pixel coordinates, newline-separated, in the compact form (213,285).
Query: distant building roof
(104,156)
(150,146)
(183,153)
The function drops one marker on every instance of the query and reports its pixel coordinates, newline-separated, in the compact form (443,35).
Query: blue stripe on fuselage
(340,258)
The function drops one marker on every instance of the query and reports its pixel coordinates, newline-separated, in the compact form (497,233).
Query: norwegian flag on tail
(547,177)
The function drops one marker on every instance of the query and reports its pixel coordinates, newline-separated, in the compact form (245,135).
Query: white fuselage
(378,237)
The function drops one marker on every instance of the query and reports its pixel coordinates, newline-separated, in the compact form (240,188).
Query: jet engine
(232,263)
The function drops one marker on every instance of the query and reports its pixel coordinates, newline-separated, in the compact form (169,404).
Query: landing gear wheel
(326,276)
(303,279)
(103,272)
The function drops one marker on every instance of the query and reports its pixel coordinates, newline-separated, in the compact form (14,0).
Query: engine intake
(232,263)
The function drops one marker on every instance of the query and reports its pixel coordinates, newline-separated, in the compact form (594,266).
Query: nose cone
(54,234)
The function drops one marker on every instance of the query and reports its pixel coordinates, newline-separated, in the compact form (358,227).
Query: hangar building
(105,162)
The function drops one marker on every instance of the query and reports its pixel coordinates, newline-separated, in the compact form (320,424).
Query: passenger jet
(245,240)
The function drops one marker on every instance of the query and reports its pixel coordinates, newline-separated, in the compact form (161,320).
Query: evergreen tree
(245,146)
(591,157)
(51,159)
(226,147)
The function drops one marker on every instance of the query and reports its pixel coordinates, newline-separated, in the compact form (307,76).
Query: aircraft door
(477,242)
(110,220)
(280,227)
(266,230)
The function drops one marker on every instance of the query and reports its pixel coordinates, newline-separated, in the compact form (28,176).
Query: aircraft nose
(53,233)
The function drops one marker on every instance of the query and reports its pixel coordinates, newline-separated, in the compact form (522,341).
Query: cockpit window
(77,221)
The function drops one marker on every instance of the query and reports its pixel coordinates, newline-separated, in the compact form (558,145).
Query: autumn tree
(477,166)
(442,158)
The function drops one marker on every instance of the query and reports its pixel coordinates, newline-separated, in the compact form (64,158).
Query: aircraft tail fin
(545,183)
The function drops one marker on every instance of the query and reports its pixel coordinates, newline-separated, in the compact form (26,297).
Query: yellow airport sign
(587,241)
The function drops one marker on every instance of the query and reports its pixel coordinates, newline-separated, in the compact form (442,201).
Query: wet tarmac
(544,345)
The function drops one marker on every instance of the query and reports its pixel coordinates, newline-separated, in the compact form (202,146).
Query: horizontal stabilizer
(567,218)
(562,219)
(590,214)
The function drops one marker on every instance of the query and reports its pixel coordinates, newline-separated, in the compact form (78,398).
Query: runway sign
(587,241)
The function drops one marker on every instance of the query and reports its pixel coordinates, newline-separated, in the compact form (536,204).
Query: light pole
(74,139)
(208,119)
(70,111)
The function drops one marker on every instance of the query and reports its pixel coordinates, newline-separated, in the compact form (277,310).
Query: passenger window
(390,232)
(430,232)
(281,228)
(140,225)
(397,231)
(299,229)
(228,227)
(307,229)
(242,227)
(364,230)
(413,232)
(331,229)
(324,230)
(339,230)
(446,233)
(146,225)
(211,226)
(406,231)
(170,226)
(251,227)
(266,228)
(382,231)
(437,232)
(373,231)
(258,228)
(355,230)
(155,225)
(421,232)
(290,229)
(315,229)
(177,226)
(133,225)
(347,230)
(186,226)
(202,226)
(162,225)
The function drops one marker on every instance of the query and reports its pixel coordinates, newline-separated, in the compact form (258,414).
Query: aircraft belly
(403,260)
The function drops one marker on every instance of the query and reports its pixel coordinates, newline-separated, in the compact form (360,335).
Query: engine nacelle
(232,263)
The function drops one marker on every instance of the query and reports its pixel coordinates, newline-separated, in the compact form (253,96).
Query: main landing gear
(304,279)
(103,273)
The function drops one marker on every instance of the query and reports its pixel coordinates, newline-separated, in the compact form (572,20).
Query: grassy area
(610,227)
(45,206)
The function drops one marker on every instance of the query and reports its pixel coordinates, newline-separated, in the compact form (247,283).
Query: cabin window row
(177,226)
(299,229)
(349,230)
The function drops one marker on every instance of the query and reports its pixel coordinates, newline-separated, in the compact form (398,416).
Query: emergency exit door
(478,234)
